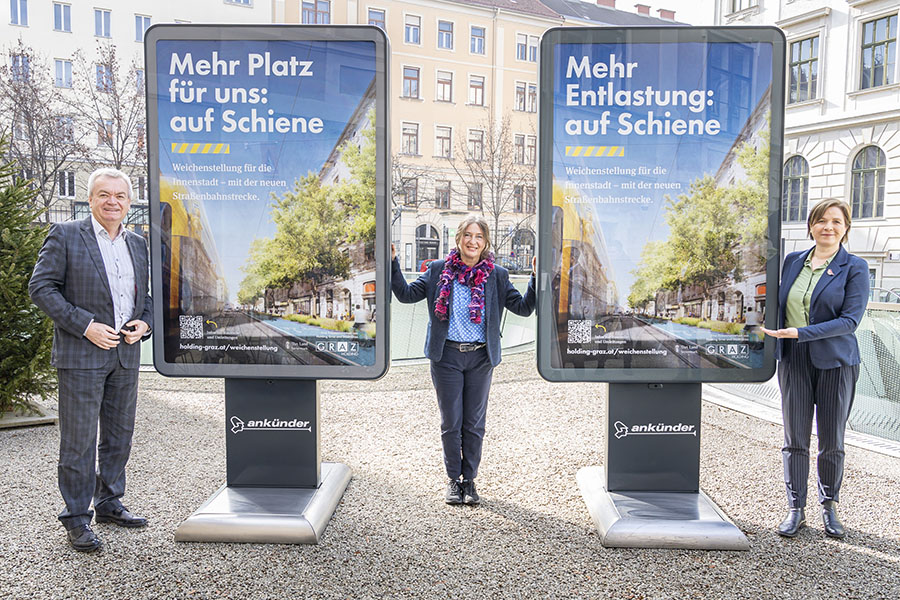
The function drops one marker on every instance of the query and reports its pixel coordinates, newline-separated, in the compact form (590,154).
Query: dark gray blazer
(499,293)
(69,283)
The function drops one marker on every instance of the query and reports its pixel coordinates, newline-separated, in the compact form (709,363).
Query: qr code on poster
(191,327)
(580,332)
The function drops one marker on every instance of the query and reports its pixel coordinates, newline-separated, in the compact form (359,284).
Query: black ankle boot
(792,523)
(833,526)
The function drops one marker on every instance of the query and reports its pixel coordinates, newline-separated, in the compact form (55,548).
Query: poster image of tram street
(660,204)
(267,198)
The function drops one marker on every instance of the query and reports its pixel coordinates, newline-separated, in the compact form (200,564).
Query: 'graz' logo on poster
(623,430)
(238,425)
(729,350)
(347,348)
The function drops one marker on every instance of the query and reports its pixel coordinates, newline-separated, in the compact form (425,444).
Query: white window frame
(483,39)
(418,126)
(519,43)
(403,68)
(65,184)
(469,90)
(437,43)
(65,17)
(437,148)
(524,87)
(62,72)
(105,24)
(438,86)
(384,16)
(145,21)
(406,17)
(19,15)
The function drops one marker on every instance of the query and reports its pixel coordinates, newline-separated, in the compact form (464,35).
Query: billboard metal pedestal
(649,496)
(277,489)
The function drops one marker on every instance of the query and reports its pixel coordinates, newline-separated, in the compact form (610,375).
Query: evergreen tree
(25,369)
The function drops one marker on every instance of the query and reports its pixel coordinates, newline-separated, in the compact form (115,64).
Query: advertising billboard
(660,165)
(267,154)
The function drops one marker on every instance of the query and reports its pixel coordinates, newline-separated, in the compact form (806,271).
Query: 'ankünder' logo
(237,425)
(653,429)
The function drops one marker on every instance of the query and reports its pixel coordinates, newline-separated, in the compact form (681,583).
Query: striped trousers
(829,394)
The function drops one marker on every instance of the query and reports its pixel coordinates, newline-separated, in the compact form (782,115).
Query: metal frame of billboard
(274,33)
(547,325)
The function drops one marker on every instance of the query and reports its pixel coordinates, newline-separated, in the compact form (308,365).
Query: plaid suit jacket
(69,283)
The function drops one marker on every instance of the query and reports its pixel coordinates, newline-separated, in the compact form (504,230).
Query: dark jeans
(828,392)
(462,381)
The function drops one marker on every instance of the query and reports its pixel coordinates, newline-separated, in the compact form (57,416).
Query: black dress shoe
(791,525)
(833,526)
(454,493)
(82,538)
(470,496)
(122,518)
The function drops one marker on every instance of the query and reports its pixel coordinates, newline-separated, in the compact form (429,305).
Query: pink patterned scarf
(473,277)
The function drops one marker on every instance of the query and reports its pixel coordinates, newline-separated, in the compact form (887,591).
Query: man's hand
(102,336)
(534,265)
(393,252)
(138,331)
(788,332)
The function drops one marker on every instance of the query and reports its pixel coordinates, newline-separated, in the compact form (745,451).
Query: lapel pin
(830,272)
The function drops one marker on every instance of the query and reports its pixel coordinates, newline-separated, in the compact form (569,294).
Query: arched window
(867,183)
(795,188)
(427,244)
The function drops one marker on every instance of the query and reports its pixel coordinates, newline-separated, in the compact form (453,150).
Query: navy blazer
(836,306)
(69,283)
(499,293)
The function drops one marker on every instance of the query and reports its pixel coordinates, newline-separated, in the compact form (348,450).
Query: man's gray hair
(108,172)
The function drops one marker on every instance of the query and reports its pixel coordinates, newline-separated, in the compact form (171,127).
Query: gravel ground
(392,535)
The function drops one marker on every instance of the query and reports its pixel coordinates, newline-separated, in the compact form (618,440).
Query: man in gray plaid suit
(91,278)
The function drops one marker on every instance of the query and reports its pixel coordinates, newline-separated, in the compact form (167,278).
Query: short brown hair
(819,209)
(485,230)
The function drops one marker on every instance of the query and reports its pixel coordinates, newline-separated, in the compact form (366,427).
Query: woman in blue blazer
(466,294)
(821,300)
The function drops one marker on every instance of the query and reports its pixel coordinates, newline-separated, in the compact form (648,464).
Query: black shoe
(454,493)
(791,525)
(82,538)
(833,526)
(121,517)
(470,496)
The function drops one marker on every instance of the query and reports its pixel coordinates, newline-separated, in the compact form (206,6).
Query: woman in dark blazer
(821,300)
(466,294)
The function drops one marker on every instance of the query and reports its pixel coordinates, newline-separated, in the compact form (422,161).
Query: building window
(140,190)
(442,140)
(18,12)
(521,46)
(65,128)
(104,79)
(445,35)
(879,52)
(804,69)
(104,131)
(520,96)
(739,5)
(476,90)
(376,17)
(442,194)
(476,144)
(63,73)
(410,138)
(867,183)
(242,2)
(411,192)
(413,29)
(530,149)
(795,188)
(475,195)
(316,12)
(62,17)
(139,80)
(141,23)
(532,48)
(530,203)
(410,82)
(20,67)
(444,86)
(81,210)
(531,99)
(102,22)
(476,45)
(517,199)
(66,181)
(519,149)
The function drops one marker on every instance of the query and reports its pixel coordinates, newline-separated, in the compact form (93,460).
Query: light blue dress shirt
(461,328)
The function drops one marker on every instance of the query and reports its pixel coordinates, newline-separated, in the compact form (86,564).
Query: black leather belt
(466,346)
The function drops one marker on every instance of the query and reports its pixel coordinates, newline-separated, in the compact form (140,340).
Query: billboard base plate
(656,519)
(268,515)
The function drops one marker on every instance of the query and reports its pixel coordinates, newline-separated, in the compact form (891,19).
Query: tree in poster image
(710,229)
(313,224)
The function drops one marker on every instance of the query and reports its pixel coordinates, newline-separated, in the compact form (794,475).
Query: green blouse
(796,312)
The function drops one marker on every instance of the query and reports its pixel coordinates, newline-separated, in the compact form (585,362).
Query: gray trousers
(90,400)
(827,392)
